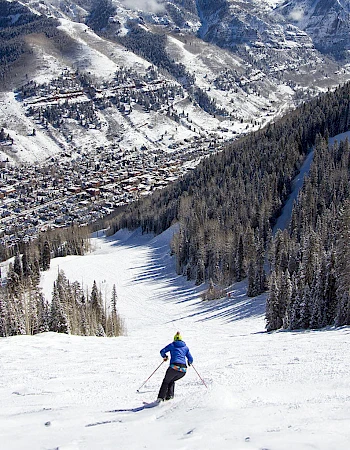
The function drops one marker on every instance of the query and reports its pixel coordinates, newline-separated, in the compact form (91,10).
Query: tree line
(72,310)
(73,240)
(23,309)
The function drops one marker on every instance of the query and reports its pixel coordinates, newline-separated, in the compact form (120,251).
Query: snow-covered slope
(279,391)
(254,59)
(278,24)
(327,22)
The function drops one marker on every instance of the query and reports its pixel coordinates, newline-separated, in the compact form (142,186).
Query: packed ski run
(276,391)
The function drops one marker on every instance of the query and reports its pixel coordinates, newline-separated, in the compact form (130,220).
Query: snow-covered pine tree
(26,263)
(43,313)
(12,286)
(97,313)
(240,272)
(318,305)
(115,326)
(252,289)
(284,296)
(292,319)
(343,310)
(330,293)
(75,310)
(18,318)
(273,320)
(114,298)
(46,256)
(85,329)
(58,318)
(310,258)
(343,267)
(30,309)
(305,308)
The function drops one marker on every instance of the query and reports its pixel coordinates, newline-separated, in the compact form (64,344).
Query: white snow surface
(275,391)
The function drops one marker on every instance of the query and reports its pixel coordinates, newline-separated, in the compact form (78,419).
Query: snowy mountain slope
(249,61)
(326,22)
(102,58)
(273,391)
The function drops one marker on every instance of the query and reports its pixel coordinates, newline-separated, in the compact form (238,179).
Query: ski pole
(199,376)
(150,376)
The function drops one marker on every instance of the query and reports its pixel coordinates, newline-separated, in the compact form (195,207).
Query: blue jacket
(178,351)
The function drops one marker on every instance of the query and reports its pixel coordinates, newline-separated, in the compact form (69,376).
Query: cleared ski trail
(278,391)
(284,219)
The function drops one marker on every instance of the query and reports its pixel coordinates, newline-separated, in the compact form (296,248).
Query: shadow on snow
(161,270)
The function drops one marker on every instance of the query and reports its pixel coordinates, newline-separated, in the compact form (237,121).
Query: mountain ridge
(239,65)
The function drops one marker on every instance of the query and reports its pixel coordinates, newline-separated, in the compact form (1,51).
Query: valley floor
(278,391)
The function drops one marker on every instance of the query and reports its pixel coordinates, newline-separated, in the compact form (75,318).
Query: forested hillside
(17,22)
(228,205)
(310,281)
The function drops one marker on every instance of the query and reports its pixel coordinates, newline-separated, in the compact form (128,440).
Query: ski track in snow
(276,391)
(284,219)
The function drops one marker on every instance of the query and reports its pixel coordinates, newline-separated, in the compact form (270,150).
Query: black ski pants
(167,388)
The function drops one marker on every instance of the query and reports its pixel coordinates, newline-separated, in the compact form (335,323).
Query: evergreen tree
(58,318)
(114,322)
(318,300)
(114,299)
(240,260)
(252,290)
(284,297)
(292,317)
(305,308)
(46,256)
(343,311)
(343,268)
(17,315)
(42,313)
(273,320)
(98,316)
(35,271)
(260,271)
(330,292)
(26,263)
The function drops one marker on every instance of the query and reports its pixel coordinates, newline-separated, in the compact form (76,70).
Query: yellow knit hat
(178,336)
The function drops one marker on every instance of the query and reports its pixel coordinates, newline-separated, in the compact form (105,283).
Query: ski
(144,405)
(136,409)
(103,422)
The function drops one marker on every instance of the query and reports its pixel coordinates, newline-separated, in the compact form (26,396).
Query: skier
(177,369)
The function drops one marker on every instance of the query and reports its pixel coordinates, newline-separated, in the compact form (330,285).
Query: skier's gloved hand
(166,358)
